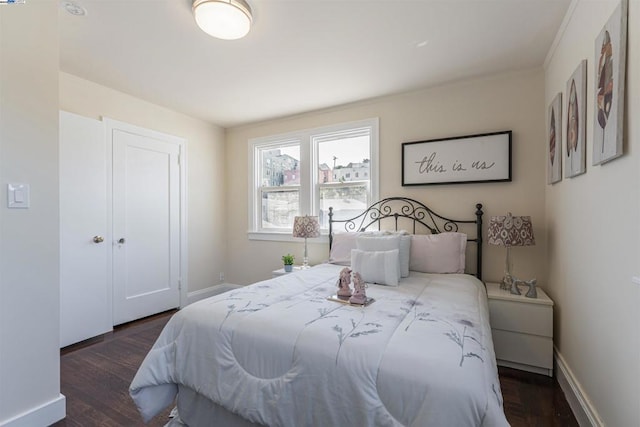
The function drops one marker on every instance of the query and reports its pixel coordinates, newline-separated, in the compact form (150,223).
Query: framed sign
(457,160)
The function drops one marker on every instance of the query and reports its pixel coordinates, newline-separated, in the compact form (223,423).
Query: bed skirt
(196,410)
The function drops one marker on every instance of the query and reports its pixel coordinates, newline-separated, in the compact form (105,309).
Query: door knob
(98,239)
(121,240)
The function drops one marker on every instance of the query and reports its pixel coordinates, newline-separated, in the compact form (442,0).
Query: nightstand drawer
(515,316)
(524,349)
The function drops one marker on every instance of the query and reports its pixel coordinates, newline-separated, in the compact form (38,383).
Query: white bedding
(280,354)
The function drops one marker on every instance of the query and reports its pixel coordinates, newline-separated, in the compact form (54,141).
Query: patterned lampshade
(306,226)
(509,230)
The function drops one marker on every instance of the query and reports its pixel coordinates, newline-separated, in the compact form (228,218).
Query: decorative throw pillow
(379,267)
(438,253)
(380,242)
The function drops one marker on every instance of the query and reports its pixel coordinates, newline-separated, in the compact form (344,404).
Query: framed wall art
(609,78)
(575,158)
(457,160)
(554,140)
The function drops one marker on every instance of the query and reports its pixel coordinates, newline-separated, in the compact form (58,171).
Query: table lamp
(306,226)
(508,230)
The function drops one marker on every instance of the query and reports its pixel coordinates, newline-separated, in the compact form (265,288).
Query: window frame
(309,188)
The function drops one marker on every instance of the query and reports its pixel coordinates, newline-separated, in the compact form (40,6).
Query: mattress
(279,353)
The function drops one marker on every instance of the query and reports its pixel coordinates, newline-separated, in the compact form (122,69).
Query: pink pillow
(341,248)
(438,253)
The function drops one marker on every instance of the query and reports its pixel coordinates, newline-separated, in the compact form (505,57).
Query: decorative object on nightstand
(515,290)
(287,260)
(510,283)
(531,293)
(306,227)
(508,230)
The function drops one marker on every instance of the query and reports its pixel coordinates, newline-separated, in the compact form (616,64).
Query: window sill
(284,237)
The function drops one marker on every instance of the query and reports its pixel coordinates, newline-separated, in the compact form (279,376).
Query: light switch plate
(18,196)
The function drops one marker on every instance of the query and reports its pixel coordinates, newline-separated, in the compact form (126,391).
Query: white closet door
(146,222)
(85,291)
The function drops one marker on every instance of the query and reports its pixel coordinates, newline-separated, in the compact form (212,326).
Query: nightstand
(281,272)
(522,329)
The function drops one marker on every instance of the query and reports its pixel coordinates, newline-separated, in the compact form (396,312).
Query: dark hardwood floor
(95,377)
(534,400)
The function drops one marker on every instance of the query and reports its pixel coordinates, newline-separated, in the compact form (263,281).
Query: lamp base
(507,279)
(506,282)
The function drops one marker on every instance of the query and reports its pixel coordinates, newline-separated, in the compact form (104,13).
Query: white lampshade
(223,19)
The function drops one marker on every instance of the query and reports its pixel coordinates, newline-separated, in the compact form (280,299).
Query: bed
(280,353)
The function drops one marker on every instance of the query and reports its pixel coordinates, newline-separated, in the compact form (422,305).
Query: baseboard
(43,415)
(210,291)
(582,408)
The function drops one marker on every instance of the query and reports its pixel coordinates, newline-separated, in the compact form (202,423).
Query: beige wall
(593,235)
(505,102)
(205,157)
(29,238)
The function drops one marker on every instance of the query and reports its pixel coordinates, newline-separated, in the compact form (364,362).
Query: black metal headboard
(397,208)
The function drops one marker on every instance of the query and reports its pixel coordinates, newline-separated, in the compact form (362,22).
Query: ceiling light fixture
(223,19)
(74,8)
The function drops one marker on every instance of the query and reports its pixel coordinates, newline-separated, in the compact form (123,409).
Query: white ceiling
(301,55)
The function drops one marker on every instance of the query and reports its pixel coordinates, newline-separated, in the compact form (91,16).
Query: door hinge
(179,159)
(179,284)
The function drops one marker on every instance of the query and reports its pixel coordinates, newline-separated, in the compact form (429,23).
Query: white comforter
(280,354)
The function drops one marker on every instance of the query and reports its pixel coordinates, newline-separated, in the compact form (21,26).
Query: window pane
(280,166)
(343,174)
(343,159)
(279,208)
(346,201)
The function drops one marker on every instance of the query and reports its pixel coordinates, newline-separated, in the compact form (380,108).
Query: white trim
(210,291)
(43,415)
(560,33)
(375,160)
(108,144)
(582,408)
(283,237)
(184,219)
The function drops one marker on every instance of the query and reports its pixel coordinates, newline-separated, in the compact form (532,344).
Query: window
(306,172)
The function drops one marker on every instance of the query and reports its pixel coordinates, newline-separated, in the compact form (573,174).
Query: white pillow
(386,241)
(380,242)
(379,267)
(438,253)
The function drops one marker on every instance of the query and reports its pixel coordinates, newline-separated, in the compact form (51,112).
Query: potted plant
(288,262)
